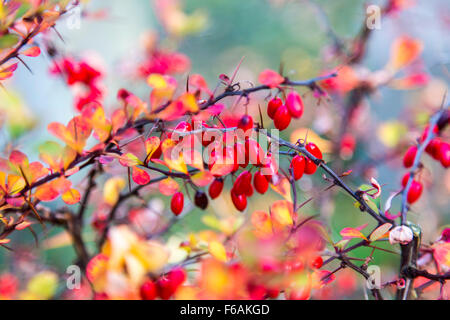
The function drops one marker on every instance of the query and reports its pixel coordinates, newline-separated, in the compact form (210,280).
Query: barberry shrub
(199,192)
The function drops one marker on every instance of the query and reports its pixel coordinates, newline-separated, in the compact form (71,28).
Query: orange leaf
(168,187)
(404,51)
(262,223)
(202,179)
(282,215)
(173,156)
(51,190)
(75,134)
(151,145)
(270,78)
(350,233)
(96,116)
(32,52)
(23,225)
(8,72)
(96,271)
(283,187)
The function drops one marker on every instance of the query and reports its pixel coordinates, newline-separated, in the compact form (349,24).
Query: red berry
(294,104)
(253,153)
(434,148)
(257,292)
(243,183)
(444,154)
(168,284)
(239,201)
(415,192)
(310,167)
(348,145)
(177,276)
(261,183)
(216,187)
(282,118)
(314,150)
(273,293)
(177,203)
(249,192)
(298,166)
(166,288)
(273,106)
(123,94)
(245,123)
(445,236)
(425,132)
(405,179)
(317,263)
(149,290)
(410,156)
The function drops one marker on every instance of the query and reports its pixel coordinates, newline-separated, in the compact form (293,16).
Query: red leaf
(270,78)
(140,176)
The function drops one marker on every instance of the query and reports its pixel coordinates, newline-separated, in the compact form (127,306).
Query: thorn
(129,179)
(281,69)
(59,35)
(236,70)
(261,116)
(26,66)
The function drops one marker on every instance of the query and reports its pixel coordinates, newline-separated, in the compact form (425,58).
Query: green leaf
(8,40)
(22,10)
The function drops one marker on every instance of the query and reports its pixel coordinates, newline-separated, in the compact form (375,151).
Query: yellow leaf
(218,251)
(390,133)
(43,285)
(281,213)
(112,189)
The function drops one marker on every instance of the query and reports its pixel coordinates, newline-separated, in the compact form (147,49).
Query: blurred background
(266,33)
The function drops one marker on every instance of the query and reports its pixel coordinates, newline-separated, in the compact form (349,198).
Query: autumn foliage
(133,171)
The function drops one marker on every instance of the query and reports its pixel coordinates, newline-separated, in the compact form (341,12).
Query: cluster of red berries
(243,187)
(282,114)
(244,153)
(165,287)
(437,149)
(301,165)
